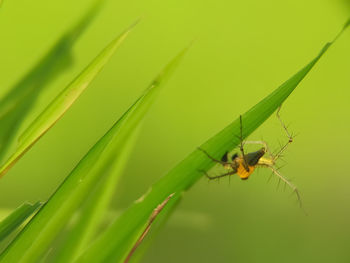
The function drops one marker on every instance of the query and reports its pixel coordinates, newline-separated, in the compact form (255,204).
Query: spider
(244,165)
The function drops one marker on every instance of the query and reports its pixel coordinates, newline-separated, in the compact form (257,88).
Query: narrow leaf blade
(116,158)
(39,233)
(18,102)
(16,218)
(56,109)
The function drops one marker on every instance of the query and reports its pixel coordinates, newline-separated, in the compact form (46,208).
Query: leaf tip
(346,25)
(134,24)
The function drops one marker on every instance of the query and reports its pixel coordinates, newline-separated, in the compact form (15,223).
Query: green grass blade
(117,241)
(16,218)
(62,103)
(15,106)
(98,203)
(38,234)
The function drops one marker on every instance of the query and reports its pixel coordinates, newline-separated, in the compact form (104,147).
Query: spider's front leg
(285,180)
(224,160)
(218,176)
(290,136)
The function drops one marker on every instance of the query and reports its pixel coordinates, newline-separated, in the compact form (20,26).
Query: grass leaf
(38,234)
(17,103)
(62,103)
(115,158)
(115,244)
(16,218)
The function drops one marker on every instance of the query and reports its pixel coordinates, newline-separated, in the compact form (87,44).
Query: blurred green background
(243,51)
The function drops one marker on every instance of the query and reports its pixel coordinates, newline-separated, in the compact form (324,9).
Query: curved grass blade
(116,157)
(62,103)
(38,234)
(16,218)
(16,105)
(115,243)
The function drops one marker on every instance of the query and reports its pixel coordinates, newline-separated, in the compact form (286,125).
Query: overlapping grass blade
(160,221)
(115,244)
(92,170)
(15,106)
(16,218)
(62,103)
(113,160)
(147,228)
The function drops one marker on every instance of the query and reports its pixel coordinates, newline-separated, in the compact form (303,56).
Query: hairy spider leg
(286,181)
(290,137)
(218,176)
(224,163)
(245,165)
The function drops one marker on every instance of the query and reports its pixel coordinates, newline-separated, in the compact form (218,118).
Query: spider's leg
(218,176)
(241,145)
(290,137)
(213,159)
(286,181)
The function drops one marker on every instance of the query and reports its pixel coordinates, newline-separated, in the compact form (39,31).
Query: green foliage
(88,189)
(16,105)
(61,103)
(111,163)
(116,242)
(87,175)
(45,227)
(16,218)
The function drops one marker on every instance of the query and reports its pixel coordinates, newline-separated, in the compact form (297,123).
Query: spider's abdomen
(242,172)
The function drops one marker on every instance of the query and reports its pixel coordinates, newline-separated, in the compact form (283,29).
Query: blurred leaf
(115,243)
(62,103)
(16,105)
(16,218)
(91,170)
(113,161)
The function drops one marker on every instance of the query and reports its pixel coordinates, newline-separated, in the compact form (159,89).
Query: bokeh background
(243,50)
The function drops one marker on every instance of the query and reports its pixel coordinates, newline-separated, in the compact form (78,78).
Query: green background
(243,50)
